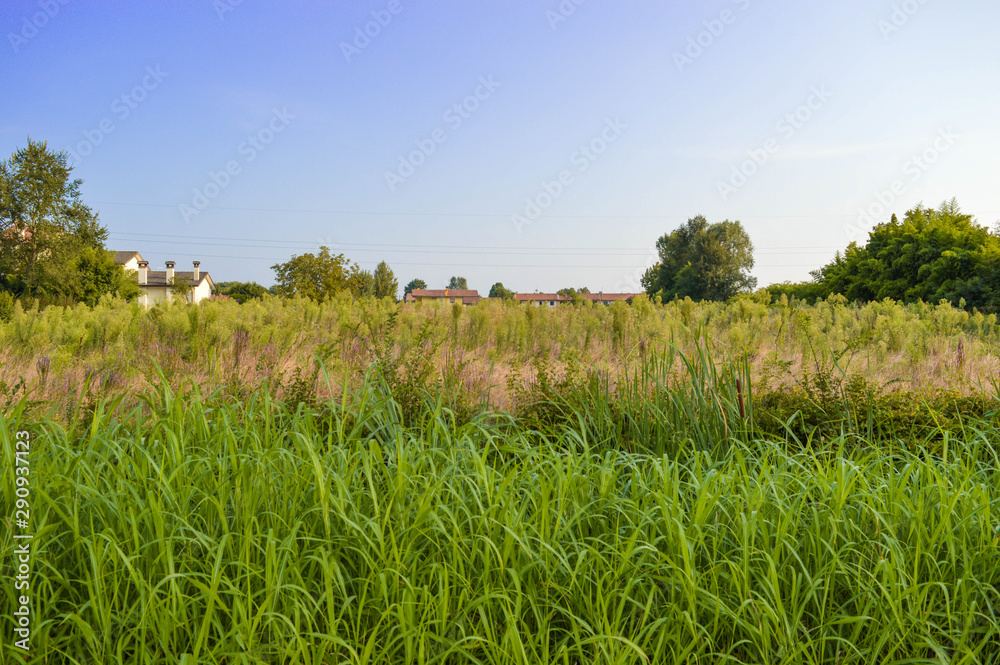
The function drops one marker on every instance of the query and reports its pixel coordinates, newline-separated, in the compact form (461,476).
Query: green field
(286,482)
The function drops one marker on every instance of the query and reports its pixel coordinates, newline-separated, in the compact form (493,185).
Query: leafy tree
(702,261)
(241,292)
(315,276)
(386,284)
(572,293)
(45,226)
(414,285)
(458,283)
(930,255)
(97,274)
(804,291)
(362,284)
(499,291)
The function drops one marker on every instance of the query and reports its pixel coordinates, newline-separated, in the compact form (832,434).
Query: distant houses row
(195,286)
(471,297)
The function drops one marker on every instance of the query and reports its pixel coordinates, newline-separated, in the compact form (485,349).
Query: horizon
(545,145)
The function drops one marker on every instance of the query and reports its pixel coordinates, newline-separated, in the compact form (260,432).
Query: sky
(539,143)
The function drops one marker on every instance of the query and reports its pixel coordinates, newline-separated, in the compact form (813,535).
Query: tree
(386,284)
(414,285)
(458,283)
(362,284)
(97,274)
(241,292)
(315,276)
(572,292)
(702,261)
(44,225)
(931,255)
(499,291)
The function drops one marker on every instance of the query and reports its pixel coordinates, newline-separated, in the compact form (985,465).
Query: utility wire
(463,214)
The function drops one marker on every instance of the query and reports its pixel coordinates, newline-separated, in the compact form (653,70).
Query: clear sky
(537,143)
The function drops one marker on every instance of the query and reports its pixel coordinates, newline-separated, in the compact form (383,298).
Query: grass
(652,523)
(54,351)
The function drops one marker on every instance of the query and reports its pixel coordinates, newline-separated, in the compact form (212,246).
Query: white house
(159,285)
(128,260)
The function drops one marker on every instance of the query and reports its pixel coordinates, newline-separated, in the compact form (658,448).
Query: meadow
(362,482)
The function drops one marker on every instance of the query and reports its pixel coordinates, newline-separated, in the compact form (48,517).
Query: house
(607,298)
(541,299)
(553,299)
(469,297)
(129,260)
(159,285)
(463,296)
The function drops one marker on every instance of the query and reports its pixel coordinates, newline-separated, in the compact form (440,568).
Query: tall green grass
(197,529)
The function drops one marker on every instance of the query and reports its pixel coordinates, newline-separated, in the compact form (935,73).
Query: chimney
(143,272)
(170,271)
(197,271)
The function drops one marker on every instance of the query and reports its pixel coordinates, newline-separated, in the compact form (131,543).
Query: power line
(493,252)
(527,251)
(462,265)
(375,213)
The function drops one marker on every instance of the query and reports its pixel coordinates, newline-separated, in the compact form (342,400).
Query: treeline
(930,255)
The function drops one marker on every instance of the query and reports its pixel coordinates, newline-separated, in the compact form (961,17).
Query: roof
(442,293)
(121,258)
(159,278)
(607,297)
(535,297)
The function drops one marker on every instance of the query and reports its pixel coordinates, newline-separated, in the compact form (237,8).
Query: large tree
(498,290)
(414,285)
(930,255)
(386,284)
(458,283)
(702,261)
(45,227)
(362,284)
(315,276)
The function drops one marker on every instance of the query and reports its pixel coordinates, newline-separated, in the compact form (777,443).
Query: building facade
(159,285)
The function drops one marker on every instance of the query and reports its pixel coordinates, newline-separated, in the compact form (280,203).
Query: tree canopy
(385,284)
(702,261)
(414,285)
(51,242)
(930,255)
(241,292)
(499,291)
(458,283)
(316,276)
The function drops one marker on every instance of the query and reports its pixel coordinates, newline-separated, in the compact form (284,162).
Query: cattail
(739,398)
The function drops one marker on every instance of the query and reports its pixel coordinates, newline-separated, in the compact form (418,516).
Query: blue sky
(241,133)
